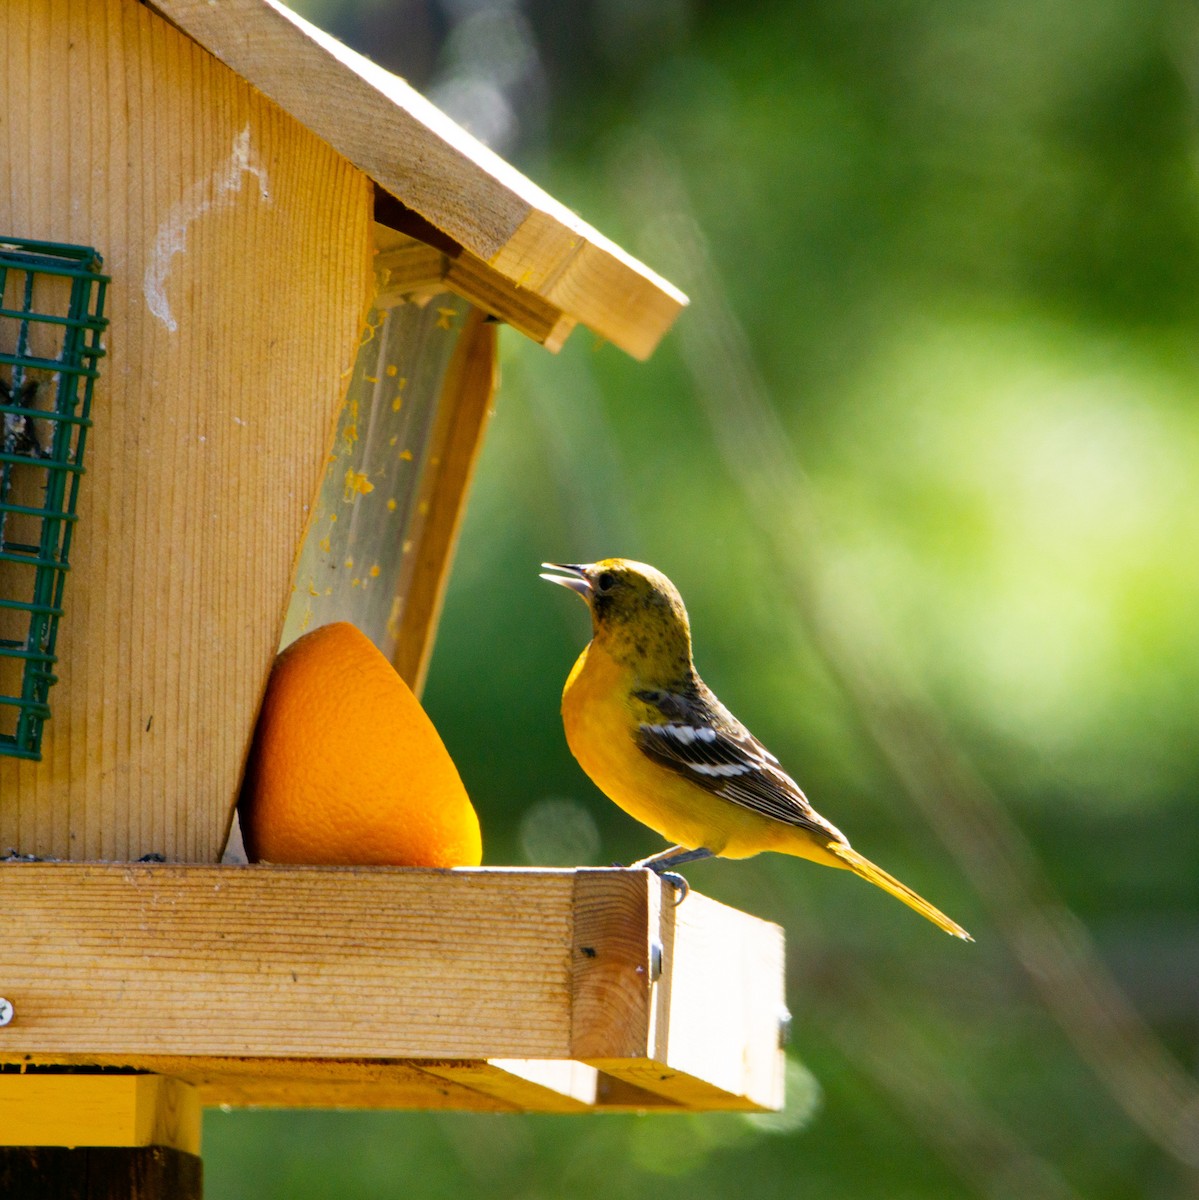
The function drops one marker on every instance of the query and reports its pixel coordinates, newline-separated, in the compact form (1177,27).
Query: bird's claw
(673,878)
(677,882)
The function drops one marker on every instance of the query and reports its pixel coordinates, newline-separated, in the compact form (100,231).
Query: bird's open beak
(575,578)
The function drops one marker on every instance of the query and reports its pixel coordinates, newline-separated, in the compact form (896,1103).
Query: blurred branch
(1048,941)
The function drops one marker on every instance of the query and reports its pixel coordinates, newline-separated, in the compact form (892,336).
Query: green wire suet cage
(51,319)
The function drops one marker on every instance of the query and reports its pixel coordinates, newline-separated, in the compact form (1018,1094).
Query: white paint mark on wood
(217,190)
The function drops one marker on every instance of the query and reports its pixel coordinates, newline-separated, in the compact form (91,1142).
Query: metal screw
(655,961)
(7,1012)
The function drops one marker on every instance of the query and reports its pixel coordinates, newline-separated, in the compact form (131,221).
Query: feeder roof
(435,168)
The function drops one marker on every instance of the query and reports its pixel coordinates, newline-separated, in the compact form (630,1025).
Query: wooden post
(100,1173)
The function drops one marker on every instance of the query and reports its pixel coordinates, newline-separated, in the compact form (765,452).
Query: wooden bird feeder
(249,291)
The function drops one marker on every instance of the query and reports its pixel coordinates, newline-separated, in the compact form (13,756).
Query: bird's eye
(605,581)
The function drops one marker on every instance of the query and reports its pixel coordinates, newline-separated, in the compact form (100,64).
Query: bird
(654,738)
(20,434)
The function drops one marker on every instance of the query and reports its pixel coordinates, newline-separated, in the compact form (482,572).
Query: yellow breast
(601,714)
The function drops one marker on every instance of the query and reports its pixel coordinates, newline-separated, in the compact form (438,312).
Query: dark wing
(700,739)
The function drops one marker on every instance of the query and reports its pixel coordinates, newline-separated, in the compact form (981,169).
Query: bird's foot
(662,865)
(677,882)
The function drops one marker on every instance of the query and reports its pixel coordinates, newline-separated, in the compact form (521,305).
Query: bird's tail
(876,875)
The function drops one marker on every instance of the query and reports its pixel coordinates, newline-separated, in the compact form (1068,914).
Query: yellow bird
(655,739)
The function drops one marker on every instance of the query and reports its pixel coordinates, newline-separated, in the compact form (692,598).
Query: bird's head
(637,614)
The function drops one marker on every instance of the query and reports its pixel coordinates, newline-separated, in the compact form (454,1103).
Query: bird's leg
(674,856)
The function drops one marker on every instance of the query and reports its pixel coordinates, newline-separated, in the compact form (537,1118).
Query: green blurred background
(921,457)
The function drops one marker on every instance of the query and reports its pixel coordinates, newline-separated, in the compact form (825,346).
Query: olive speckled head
(635,610)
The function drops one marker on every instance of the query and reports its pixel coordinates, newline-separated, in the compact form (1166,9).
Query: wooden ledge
(491,988)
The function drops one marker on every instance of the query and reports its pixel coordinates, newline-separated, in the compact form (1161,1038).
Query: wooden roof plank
(433,166)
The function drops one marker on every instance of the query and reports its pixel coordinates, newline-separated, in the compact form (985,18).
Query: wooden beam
(493,988)
(524,310)
(98,1110)
(432,166)
(282,962)
(306,1082)
(528,1085)
(403,266)
(406,266)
